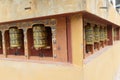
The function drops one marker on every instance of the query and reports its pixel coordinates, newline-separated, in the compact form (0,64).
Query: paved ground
(117,77)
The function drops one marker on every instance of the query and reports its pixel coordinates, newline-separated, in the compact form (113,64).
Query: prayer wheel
(39,36)
(115,34)
(102,34)
(105,33)
(15,37)
(89,35)
(96,34)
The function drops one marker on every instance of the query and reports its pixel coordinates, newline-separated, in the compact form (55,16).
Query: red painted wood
(69,45)
(110,36)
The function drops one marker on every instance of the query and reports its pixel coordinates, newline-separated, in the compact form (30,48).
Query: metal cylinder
(89,35)
(96,34)
(15,37)
(39,36)
(115,33)
(105,33)
(102,34)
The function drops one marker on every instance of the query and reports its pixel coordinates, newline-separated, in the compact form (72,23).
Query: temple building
(59,40)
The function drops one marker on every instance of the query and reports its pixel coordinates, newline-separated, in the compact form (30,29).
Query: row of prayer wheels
(95,33)
(39,36)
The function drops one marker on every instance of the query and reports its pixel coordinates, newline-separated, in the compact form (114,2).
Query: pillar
(25,43)
(77,39)
(3,42)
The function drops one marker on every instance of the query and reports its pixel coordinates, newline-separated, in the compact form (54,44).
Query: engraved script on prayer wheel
(39,36)
(96,34)
(102,34)
(89,35)
(15,37)
(115,33)
(105,33)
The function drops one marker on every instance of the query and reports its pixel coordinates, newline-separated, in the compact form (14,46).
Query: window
(14,41)
(96,37)
(89,36)
(40,40)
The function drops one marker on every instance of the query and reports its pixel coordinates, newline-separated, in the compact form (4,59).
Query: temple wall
(103,9)
(19,9)
(105,65)
(15,70)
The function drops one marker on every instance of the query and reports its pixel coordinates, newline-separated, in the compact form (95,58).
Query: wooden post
(25,43)
(69,46)
(3,42)
(77,39)
(110,35)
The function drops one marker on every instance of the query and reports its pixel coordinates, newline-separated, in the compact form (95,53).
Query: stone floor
(117,76)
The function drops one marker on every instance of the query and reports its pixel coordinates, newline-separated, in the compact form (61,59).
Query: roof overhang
(85,14)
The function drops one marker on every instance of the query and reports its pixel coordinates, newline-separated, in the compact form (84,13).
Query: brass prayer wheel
(102,34)
(39,36)
(15,37)
(105,33)
(115,33)
(89,35)
(96,34)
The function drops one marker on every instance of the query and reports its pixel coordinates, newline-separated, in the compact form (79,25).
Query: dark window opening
(40,41)
(14,41)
